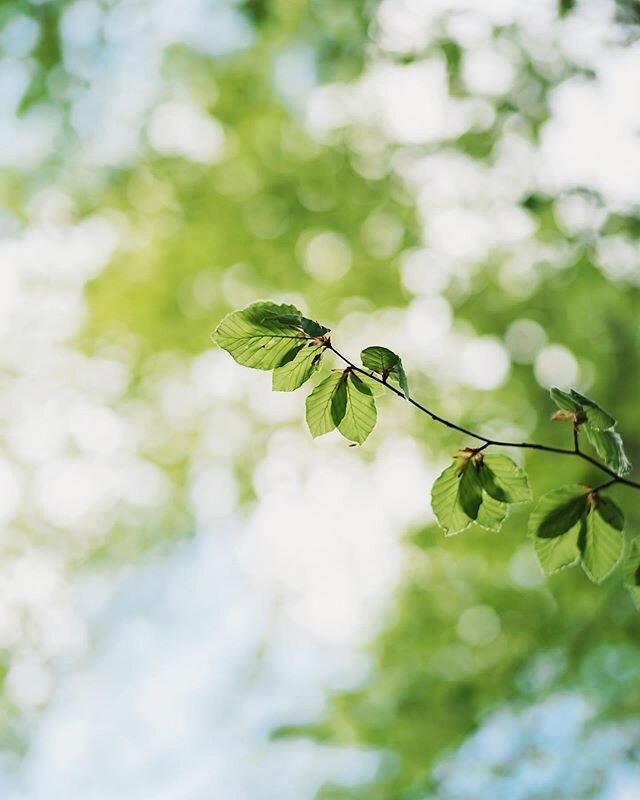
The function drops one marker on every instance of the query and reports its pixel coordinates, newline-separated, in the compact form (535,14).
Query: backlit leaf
(632,571)
(379,359)
(602,543)
(575,402)
(445,502)
(308,326)
(326,405)
(569,525)
(298,369)
(597,417)
(458,499)
(360,413)
(255,339)
(558,511)
(385,362)
(470,490)
(402,379)
(598,426)
(492,513)
(564,400)
(559,552)
(503,479)
(608,445)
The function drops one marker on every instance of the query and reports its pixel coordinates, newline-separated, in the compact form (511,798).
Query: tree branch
(575,452)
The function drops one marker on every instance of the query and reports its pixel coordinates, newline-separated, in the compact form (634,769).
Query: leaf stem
(575,452)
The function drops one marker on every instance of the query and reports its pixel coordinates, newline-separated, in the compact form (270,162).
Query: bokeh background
(196,600)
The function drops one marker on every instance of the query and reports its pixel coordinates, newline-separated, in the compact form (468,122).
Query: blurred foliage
(211,237)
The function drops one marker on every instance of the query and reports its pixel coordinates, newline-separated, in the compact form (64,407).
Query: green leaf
(596,417)
(608,445)
(360,414)
(297,370)
(571,525)
(470,490)
(564,400)
(402,379)
(386,363)
(377,389)
(598,426)
(379,359)
(503,480)
(592,413)
(558,511)
(308,326)
(559,552)
(632,571)
(492,513)
(602,542)
(445,503)
(255,339)
(457,499)
(327,403)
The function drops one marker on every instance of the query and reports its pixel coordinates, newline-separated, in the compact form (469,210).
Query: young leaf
(596,417)
(608,445)
(560,551)
(571,525)
(377,389)
(503,480)
(360,414)
(255,339)
(555,524)
(558,511)
(470,490)
(602,542)
(402,379)
(327,403)
(379,359)
(598,426)
(565,416)
(632,571)
(297,370)
(445,501)
(564,400)
(458,499)
(386,363)
(308,326)
(492,513)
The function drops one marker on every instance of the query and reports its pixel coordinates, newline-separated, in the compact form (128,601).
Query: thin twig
(575,452)
(606,485)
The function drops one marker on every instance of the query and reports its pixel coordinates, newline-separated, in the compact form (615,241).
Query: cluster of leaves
(574,524)
(278,337)
(569,525)
(597,424)
(477,488)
